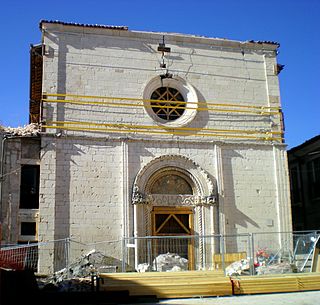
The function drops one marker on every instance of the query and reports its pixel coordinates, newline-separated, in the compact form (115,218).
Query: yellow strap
(263,138)
(130,126)
(153,101)
(78,102)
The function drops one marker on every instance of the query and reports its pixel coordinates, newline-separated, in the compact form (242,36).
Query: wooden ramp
(276,283)
(169,284)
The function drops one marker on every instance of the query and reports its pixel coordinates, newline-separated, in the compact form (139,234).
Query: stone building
(304,168)
(155,134)
(19,184)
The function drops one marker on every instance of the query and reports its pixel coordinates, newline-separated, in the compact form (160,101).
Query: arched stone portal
(174,196)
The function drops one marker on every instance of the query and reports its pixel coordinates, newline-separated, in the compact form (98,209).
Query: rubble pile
(170,262)
(239,267)
(144,267)
(242,267)
(70,285)
(27,130)
(165,263)
(77,277)
(277,268)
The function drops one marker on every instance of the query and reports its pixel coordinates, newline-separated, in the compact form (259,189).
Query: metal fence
(19,257)
(286,250)
(255,253)
(52,255)
(176,253)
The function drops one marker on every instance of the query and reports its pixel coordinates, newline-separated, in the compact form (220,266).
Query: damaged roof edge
(111,27)
(22,131)
(126,28)
(264,42)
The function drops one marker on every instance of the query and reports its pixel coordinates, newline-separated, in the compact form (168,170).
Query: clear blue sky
(295,24)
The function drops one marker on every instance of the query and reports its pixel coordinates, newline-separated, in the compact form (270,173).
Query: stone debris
(238,267)
(165,263)
(27,130)
(75,284)
(143,267)
(242,267)
(170,262)
(77,277)
(276,268)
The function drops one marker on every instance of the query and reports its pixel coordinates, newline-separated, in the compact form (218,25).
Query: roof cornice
(184,38)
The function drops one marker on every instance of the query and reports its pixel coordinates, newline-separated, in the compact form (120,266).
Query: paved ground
(292,298)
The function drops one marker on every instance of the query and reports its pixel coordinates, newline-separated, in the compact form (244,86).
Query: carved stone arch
(202,184)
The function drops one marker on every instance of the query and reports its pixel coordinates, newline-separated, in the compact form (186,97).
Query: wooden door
(176,221)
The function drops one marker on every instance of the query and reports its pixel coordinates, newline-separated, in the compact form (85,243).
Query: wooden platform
(276,283)
(169,284)
(205,283)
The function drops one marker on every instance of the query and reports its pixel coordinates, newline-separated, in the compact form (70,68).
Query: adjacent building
(304,167)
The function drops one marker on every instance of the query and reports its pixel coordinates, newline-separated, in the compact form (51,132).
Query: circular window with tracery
(171,105)
(170,102)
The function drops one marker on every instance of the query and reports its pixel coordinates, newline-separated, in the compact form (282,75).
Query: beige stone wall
(109,63)
(87,177)
(85,188)
(252,190)
(81,185)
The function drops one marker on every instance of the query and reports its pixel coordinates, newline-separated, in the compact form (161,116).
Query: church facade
(156,134)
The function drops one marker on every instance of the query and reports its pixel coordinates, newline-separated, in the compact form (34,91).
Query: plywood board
(279,283)
(206,283)
(169,284)
(316,260)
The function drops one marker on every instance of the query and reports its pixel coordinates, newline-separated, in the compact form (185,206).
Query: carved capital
(137,196)
(208,200)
